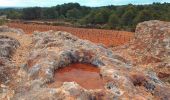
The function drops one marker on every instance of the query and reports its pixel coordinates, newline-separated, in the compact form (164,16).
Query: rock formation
(7,48)
(8,29)
(131,71)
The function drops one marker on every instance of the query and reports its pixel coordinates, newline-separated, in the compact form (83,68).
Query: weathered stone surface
(8,46)
(149,52)
(46,57)
(8,29)
(131,71)
(154,38)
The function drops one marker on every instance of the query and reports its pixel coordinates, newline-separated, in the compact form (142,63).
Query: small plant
(2,21)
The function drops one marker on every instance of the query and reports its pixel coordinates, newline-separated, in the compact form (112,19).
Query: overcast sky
(93,3)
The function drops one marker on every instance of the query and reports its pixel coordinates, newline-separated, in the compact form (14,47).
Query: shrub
(2,21)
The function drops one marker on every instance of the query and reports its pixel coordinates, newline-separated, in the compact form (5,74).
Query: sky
(92,3)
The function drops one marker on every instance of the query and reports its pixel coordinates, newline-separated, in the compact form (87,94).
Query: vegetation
(109,17)
(2,21)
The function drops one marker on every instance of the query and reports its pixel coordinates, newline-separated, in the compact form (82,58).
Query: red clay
(107,37)
(85,75)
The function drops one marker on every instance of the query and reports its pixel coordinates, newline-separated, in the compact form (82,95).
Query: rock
(8,46)
(12,30)
(70,50)
(129,72)
(149,51)
(113,88)
(154,40)
(76,91)
(155,36)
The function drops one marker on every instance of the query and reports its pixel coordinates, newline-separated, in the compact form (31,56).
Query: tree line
(123,17)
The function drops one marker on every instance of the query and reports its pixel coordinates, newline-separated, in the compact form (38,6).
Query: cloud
(42,3)
(8,2)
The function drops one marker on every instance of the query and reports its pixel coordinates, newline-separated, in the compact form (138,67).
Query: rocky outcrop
(150,48)
(125,69)
(58,49)
(149,51)
(153,39)
(7,48)
(12,30)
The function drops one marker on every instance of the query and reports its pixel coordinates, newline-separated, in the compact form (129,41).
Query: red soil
(85,75)
(107,37)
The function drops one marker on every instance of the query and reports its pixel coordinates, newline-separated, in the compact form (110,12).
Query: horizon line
(83,5)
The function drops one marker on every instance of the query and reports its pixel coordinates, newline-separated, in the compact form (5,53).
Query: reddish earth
(85,75)
(107,37)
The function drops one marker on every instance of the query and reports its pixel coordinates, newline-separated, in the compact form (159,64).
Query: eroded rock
(8,46)
(130,71)
(12,30)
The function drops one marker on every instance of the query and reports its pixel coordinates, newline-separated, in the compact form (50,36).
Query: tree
(128,17)
(113,21)
(67,6)
(14,14)
(74,13)
(50,13)
(32,13)
(123,17)
(144,15)
(101,16)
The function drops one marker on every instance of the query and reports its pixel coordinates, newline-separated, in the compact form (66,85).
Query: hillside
(110,38)
(124,17)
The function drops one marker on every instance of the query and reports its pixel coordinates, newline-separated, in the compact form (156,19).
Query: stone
(130,71)
(12,30)
(8,46)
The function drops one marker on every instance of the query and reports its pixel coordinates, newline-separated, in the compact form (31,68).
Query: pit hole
(138,80)
(86,75)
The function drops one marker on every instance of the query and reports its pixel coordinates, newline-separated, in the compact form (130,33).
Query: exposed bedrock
(154,38)
(58,49)
(53,50)
(125,69)
(8,46)
(150,49)
(8,29)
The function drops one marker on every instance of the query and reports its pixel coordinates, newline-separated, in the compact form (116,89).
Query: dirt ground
(110,38)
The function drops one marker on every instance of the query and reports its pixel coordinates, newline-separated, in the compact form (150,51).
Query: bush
(113,21)
(2,21)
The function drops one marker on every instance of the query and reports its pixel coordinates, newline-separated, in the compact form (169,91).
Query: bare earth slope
(131,71)
(109,37)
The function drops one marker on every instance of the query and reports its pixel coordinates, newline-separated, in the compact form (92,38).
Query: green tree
(74,13)
(113,21)
(128,17)
(89,18)
(67,6)
(14,14)
(32,13)
(144,15)
(101,16)
(50,13)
